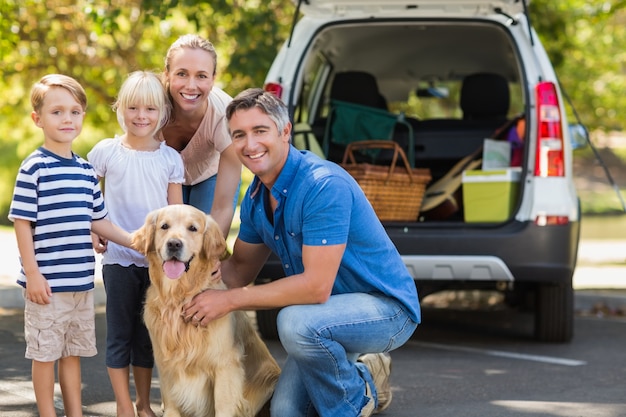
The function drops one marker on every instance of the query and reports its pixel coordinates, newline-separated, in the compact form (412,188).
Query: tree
(99,42)
(586,42)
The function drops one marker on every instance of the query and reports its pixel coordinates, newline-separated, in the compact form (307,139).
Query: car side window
(310,105)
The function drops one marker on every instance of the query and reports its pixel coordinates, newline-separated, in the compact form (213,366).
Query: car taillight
(275,88)
(544,220)
(549,161)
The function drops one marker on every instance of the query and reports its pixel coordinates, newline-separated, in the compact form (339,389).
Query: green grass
(601,198)
(601,202)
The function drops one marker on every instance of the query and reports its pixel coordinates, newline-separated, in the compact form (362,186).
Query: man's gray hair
(264,100)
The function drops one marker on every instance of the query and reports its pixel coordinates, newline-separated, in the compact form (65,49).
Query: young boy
(56,204)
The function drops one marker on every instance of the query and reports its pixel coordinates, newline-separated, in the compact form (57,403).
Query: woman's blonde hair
(192,42)
(143,88)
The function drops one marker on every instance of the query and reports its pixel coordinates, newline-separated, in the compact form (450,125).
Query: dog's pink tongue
(173,269)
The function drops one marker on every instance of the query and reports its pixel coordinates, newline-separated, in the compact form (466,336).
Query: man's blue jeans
(321,376)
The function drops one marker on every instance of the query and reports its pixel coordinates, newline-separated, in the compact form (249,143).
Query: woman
(198,129)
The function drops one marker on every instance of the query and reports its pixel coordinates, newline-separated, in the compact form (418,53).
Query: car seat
(358,87)
(358,111)
(485,98)
(484,101)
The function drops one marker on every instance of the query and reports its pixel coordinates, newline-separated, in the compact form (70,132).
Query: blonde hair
(143,88)
(192,42)
(41,88)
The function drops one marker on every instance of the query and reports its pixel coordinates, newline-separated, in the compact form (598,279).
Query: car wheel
(554,313)
(266,323)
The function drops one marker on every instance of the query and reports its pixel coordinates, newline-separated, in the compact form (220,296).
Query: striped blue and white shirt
(60,197)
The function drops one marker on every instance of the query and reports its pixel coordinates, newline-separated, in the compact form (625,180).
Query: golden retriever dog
(223,369)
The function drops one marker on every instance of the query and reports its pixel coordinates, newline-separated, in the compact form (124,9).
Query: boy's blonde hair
(143,88)
(41,88)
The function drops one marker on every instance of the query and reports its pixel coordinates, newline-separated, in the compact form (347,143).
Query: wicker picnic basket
(395,192)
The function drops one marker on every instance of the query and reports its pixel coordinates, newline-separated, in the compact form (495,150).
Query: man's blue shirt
(319,203)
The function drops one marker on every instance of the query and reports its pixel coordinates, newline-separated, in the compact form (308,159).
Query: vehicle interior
(437,89)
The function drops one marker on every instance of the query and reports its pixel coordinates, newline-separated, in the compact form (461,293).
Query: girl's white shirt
(135,183)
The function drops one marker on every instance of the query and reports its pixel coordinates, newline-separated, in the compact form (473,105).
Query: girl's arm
(112,232)
(174,193)
(37,287)
(99,244)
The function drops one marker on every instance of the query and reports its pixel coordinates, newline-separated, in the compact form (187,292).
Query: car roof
(386,8)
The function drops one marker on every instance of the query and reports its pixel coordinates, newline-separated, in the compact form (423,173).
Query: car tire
(266,323)
(554,313)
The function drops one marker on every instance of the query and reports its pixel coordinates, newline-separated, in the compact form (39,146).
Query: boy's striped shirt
(60,197)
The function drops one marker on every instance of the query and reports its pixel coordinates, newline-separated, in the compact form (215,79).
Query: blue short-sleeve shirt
(319,203)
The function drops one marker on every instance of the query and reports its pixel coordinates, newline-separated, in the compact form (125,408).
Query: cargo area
(451,95)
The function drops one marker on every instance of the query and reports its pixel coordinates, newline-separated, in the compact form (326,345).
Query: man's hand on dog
(191,314)
(205,307)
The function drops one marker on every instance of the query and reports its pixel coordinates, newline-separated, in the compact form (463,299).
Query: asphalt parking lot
(447,368)
(458,363)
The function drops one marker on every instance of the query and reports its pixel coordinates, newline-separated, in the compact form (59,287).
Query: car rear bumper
(515,252)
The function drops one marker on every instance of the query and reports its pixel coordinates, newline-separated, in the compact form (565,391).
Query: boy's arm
(104,228)
(37,287)
(99,243)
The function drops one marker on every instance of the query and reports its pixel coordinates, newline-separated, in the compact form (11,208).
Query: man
(346,290)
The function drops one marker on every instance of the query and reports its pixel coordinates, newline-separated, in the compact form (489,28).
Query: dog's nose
(174,245)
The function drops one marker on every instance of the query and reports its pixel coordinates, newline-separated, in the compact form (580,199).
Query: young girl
(140,174)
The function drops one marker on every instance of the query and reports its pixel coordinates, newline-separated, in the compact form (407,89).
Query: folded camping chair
(349,122)
(440,200)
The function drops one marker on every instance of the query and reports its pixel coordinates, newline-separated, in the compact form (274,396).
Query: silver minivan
(473,99)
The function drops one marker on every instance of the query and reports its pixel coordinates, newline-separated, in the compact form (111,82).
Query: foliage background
(100,41)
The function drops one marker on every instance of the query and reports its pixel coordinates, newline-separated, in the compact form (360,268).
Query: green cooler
(490,196)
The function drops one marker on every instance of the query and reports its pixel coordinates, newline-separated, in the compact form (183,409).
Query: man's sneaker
(379,365)
(369,408)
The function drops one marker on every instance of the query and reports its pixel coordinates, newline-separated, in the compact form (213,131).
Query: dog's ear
(143,238)
(214,244)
